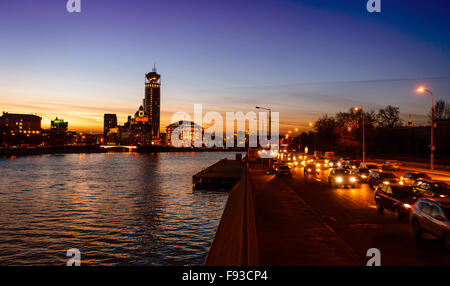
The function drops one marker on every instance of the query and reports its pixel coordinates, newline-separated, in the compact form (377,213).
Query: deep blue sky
(302,58)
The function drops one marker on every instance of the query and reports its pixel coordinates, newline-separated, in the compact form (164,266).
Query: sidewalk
(426,170)
(289,232)
(417,167)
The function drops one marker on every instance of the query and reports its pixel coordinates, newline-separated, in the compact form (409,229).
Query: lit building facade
(193,130)
(20,129)
(109,121)
(141,128)
(58,132)
(152,101)
(110,130)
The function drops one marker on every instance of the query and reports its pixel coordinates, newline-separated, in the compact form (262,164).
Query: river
(116,208)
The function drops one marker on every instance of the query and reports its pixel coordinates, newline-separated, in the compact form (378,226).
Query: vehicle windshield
(363,170)
(403,190)
(372,166)
(447,212)
(441,188)
(284,167)
(387,175)
(341,171)
(422,175)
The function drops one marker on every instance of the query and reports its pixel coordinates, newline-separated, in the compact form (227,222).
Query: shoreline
(97,149)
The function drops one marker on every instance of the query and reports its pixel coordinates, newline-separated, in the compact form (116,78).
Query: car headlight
(352,179)
(331,164)
(318,170)
(339,179)
(317,165)
(408,206)
(386,182)
(309,170)
(363,176)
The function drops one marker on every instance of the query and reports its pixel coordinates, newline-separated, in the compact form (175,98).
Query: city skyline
(297,57)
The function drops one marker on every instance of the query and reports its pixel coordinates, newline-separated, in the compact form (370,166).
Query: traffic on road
(403,211)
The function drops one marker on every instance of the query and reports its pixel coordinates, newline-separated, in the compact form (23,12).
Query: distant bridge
(118,147)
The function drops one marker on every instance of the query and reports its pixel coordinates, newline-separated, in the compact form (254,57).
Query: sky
(303,59)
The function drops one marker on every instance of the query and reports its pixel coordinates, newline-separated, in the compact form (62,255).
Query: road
(352,215)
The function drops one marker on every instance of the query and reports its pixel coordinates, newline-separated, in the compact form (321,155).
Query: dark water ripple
(117,208)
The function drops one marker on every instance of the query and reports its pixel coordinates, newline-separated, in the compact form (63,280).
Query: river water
(116,208)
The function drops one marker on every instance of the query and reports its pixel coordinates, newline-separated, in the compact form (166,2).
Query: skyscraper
(152,101)
(109,121)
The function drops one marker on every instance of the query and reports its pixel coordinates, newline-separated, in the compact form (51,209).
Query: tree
(325,125)
(441,110)
(325,128)
(389,117)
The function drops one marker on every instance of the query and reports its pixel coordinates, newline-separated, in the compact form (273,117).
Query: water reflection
(118,209)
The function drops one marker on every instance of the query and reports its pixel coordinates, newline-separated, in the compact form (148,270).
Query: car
(361,173)
(353,164)
(275,166)
(377,177)
(432,215)
(391,165)
(311,169)
(341,176)
(284,170)
(333,163)
(322,164)
(432,188)
(396,198)
(411,177)
(343,162)
(329,155)
(370,166)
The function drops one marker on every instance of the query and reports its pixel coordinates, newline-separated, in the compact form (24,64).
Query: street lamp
(423,89)
(356,108)
(270,120)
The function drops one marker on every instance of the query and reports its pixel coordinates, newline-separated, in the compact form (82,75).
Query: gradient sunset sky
(302,58)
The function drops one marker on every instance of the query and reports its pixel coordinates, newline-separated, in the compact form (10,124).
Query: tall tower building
(109,121)
(152,100)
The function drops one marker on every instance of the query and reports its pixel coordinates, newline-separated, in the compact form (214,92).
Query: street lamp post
(270,130)
(423,90)
(363,135)
(270,120)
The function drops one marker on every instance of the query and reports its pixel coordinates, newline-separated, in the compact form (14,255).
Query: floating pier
(223,175)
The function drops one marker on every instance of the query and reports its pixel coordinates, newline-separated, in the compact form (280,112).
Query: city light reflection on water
(118,209)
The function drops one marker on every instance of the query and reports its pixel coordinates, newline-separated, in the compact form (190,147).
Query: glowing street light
(422,89)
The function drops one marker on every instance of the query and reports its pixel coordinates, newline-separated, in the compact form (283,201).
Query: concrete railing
(235,242)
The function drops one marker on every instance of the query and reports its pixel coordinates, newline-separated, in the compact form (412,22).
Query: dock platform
(223,175)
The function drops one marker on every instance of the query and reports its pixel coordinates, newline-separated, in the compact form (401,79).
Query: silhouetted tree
(389,117)
(325,128)
(441,110)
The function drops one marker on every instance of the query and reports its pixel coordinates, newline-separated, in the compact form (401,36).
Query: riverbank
(98,149)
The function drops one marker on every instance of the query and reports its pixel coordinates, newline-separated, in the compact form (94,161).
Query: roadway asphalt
(352,215)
